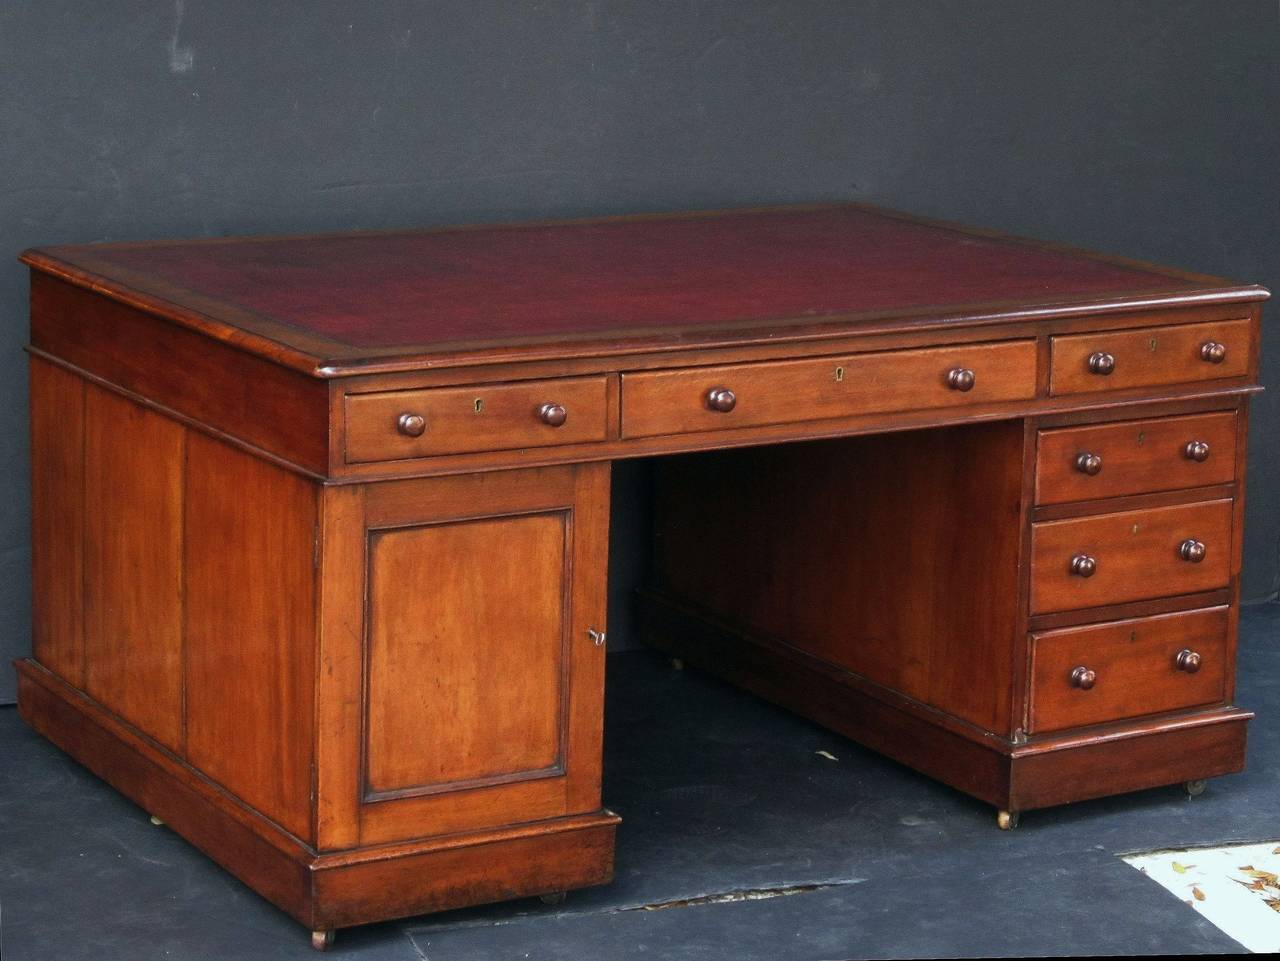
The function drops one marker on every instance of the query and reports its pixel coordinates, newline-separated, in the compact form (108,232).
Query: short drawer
(1135,457)
(754,395)
(1125,669)
(1130,556)
(393,425)
(1150,357)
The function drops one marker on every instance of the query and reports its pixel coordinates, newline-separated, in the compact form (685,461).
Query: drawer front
(754,395)
(1117,359)
(1135,457)
(456,420)
(1109,672)
(1130,556)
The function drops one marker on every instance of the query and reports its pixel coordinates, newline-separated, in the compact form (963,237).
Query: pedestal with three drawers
(1036,611)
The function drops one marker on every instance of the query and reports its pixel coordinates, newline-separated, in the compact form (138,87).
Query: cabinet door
(481,685)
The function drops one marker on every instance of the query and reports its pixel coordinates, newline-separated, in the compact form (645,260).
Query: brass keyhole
(1142,437)
(1151,345)
(479,404)
(839,374)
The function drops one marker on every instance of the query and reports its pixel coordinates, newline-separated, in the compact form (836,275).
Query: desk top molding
(340,305)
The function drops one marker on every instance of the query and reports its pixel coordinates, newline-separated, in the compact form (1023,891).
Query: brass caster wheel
(1006,820)
(322,940)
(156,821)
(555,897)
(1194,788)
(677,664)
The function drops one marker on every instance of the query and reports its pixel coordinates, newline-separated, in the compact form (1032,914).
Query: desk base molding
(1011,777)
(322,890)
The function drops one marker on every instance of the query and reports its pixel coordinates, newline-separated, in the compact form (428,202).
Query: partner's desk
(320,523)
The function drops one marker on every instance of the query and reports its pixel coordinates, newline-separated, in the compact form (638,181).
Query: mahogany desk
(320,523)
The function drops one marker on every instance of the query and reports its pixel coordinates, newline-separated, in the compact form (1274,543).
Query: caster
(1194,788)
(156,821)
(1006,820)
(555,897)
(677,664)
(322,940)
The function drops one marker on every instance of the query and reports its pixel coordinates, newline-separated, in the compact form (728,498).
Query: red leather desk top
(383,294)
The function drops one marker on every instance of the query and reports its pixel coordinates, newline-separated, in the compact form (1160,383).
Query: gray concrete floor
(727,804)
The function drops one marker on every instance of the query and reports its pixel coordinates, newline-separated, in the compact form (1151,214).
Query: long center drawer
(754,395)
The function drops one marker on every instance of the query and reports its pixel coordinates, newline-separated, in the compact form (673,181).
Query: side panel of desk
(180,589)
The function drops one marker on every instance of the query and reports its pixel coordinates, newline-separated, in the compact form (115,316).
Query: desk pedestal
(367,701)
(884,587)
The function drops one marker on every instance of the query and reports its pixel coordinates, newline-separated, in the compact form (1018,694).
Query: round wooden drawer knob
(411,425)
(1188,660)
(1213,352)
(552,415)
(721,399)
(1082,565)
(1191,550)
(1197,450)
(962,378)
(1083,678)
(1089,463)
(1101,363)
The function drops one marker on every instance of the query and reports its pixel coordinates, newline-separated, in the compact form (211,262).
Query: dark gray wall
(1143,128)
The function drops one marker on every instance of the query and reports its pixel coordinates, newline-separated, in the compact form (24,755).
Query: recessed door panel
(483,682)
(466,653)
